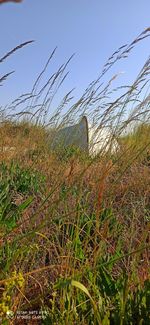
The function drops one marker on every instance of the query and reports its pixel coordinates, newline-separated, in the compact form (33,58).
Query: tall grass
(74,229)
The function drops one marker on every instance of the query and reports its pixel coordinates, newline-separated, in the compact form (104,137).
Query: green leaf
(80,286)
(25,204)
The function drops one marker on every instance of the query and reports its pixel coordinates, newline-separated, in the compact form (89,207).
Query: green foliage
(64,154)
(16,181)
(107,301)
(95,295)
(114,300)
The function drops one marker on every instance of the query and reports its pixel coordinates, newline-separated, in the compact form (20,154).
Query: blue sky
(93,29)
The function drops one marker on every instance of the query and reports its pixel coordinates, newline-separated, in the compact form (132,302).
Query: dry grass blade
(42,72)
(14,50)
(124,50)
(5,76)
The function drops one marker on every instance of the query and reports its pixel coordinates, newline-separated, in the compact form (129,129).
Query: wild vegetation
(74,238)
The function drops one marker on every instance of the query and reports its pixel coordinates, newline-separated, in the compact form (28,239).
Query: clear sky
(93,29)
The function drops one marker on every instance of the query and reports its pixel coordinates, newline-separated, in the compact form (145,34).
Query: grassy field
(74,230)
